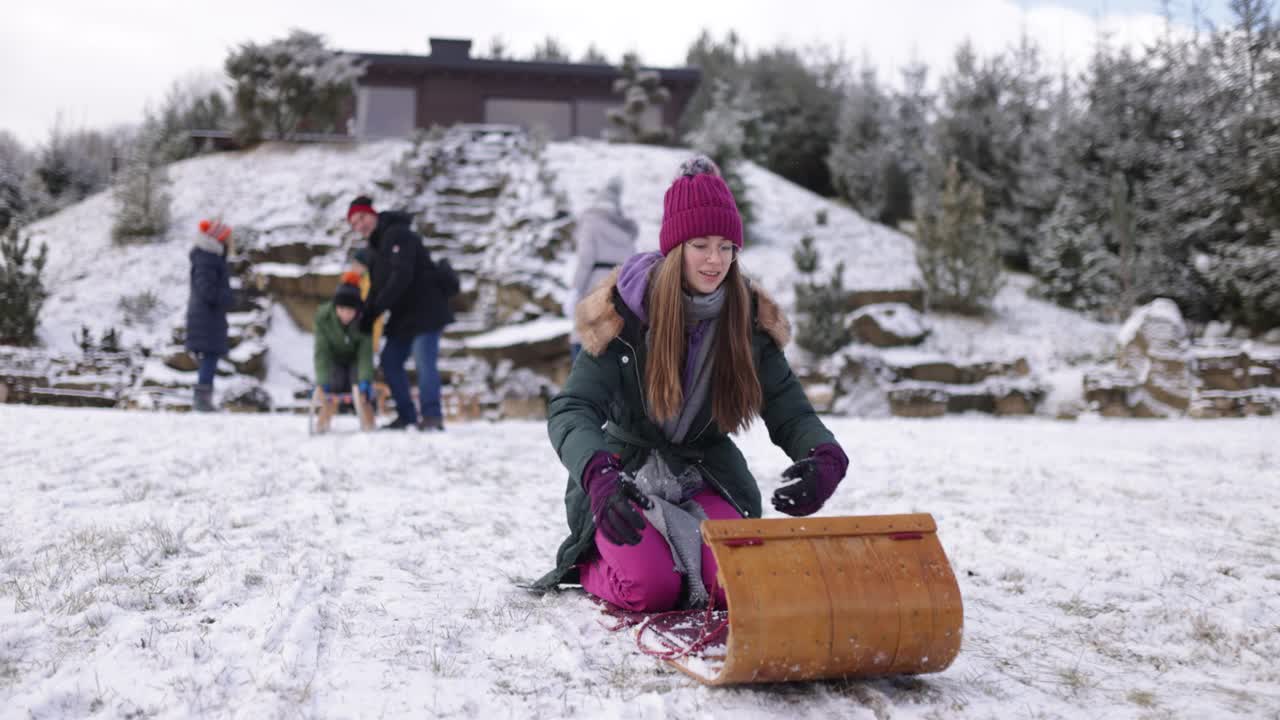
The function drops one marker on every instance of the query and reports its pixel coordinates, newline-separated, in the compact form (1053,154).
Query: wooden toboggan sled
(813,598)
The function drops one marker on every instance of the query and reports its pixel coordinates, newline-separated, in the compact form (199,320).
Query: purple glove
(816,478)
(613,498)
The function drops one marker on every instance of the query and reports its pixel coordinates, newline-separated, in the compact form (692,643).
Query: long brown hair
(735,388)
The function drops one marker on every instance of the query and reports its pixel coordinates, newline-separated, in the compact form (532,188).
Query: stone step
(996,396)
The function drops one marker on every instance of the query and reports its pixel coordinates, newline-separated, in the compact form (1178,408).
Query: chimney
(450,49)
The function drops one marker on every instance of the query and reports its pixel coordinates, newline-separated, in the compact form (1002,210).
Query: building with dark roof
(401,93)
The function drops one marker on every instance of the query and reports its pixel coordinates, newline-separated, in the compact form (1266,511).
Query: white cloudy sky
(96,63)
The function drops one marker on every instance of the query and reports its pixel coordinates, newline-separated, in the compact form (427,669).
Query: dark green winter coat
(606,385)
(338,344)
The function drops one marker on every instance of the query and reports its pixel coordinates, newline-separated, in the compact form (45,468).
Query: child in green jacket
(343,355)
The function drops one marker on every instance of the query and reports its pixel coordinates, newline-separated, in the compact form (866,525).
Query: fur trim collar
(598,321)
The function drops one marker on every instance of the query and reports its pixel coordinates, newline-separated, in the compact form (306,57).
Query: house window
(554,117)
(386,111)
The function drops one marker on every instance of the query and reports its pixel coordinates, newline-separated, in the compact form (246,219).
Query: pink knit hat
(699,204)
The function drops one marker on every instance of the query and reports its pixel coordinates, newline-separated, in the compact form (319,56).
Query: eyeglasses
(727,250)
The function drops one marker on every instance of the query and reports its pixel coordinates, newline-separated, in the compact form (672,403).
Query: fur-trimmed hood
(598,322)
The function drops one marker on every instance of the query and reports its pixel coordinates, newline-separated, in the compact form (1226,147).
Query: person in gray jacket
(606,238)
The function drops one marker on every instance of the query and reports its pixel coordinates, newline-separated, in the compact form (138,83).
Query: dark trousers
(207,369)
(425,349)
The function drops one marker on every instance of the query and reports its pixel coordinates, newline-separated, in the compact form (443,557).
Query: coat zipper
(639,380)
(706,471)
(718,488)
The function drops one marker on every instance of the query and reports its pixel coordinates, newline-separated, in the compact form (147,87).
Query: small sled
(813,598)
(320,416)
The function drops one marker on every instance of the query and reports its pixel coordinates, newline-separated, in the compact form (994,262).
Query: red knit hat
(215,230)
(362,204)
(699,204)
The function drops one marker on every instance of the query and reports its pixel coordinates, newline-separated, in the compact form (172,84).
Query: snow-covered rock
(889,324)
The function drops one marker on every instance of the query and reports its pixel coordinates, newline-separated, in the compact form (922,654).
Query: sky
(87,63)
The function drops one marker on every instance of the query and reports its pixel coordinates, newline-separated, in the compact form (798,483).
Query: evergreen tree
(498,49)
(799,103)
(821,328)
(110,341)
(862,160)
(641,91)
(721,135)
(1072,264)
(22,291)
(720,63)
(288,85)
(15,162)
(594,56)
(956,250)
(72,165)
(196,103)
(911,143)
(83,338)
(141,195)
(1031,184)
(1246,280)
(550,50)
(1245,133)
(1142,118)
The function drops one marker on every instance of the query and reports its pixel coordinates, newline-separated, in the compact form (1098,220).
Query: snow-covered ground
(160,565)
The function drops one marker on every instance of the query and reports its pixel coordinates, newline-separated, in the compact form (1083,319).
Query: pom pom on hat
(215,230)
(348,292)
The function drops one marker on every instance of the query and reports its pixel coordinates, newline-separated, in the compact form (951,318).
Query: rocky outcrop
(932,386)
(1161,372)
(540,346)
(889,324)
(39,377)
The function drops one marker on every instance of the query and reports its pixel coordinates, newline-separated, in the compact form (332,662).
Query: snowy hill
(265,190)
(499,215)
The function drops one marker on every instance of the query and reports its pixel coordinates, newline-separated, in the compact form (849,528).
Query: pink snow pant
(642,577)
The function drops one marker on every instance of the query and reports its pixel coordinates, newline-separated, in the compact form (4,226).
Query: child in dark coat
(207,308)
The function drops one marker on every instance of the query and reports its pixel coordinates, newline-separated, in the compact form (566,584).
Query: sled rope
(672,651)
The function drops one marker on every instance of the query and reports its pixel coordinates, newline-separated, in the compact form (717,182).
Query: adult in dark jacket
(680,351)
(207,307)
(406,283)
